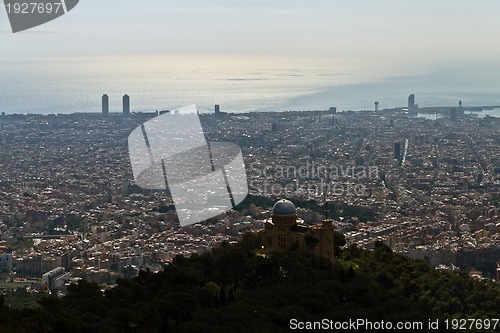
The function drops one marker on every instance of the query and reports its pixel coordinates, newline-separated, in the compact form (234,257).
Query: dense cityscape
(249,167)
(429,189)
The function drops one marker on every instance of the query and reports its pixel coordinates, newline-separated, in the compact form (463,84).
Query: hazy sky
(413,31)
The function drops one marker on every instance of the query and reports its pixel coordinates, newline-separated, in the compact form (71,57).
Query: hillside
(234,289)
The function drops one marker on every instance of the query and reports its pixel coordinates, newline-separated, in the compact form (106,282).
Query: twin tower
(105,105)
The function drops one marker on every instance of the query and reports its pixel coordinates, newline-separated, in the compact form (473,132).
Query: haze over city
(170,54)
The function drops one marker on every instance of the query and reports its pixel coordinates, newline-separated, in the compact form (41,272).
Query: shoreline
(426,110)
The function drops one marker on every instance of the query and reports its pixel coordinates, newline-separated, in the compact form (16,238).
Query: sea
(51,85)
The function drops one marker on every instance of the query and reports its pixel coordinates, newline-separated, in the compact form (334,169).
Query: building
(126,105)
(218,112)
(56,278)
(5,260)
(397,151)
(376,106)
(411,101)
(453,114)
(282,231)
(461,110)
(105,104)
(498,271)
(30,265)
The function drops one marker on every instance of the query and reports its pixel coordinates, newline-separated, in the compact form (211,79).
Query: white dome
(284,208)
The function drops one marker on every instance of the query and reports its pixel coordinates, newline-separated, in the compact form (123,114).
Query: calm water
(238,84)
(492,113)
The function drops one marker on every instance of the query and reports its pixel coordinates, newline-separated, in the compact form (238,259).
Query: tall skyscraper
(461,110)
(217,109)
(397,151)
(411,101)
(126,105)
(105,104)
(376,106)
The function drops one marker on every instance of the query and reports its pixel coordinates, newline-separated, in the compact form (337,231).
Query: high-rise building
(217,109)
(411,101)
(55,278)
(397,151)
(376,106)
(333,110)
(461,110)
(126,105)
(105,104)
(453,114)
(5,260)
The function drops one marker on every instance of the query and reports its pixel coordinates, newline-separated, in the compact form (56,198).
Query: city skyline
(257,56)
(336,160)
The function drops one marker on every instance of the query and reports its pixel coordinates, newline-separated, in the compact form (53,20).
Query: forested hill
(234,289)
